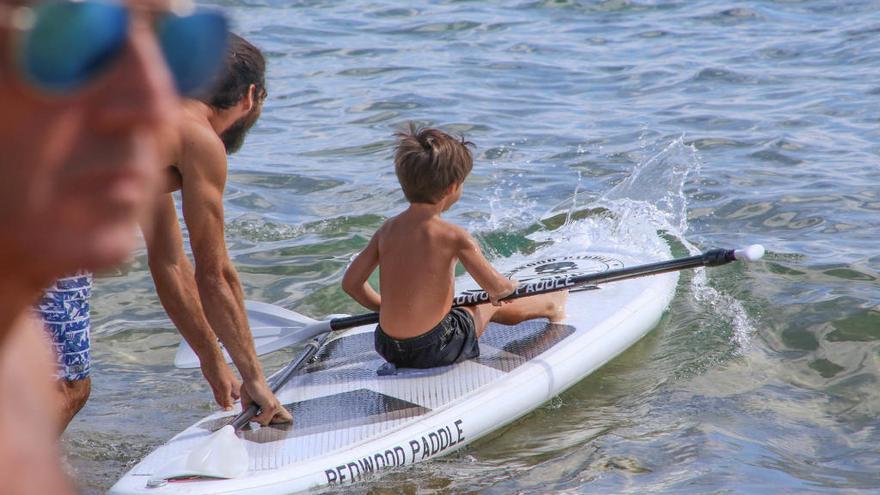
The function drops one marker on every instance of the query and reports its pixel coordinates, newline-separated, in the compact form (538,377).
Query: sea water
(718,124)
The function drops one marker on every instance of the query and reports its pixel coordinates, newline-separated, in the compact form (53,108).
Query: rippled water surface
(759,119)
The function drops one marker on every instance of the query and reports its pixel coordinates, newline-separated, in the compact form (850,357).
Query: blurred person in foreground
(206,302)
(88,99)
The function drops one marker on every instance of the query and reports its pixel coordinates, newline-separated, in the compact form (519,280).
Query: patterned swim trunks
(64,309)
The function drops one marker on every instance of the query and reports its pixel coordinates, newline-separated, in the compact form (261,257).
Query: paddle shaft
(310,350)
(715,257)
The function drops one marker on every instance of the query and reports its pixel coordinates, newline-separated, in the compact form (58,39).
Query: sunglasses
(61,46)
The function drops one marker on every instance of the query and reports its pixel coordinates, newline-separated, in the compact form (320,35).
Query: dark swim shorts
(454,339)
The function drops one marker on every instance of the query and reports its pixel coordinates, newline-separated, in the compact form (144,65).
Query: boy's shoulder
(401,224)
(452,234)
(450,227)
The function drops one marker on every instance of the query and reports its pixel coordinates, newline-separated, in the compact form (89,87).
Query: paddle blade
(266,340)
(262,314)
(221,455)
(273,328)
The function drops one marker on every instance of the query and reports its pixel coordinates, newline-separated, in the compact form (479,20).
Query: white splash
(656,189)
(651,199)
(505,192)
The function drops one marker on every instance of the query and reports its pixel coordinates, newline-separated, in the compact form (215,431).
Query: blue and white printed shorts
(64,309)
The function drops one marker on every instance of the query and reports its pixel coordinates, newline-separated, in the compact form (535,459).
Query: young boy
(416,252)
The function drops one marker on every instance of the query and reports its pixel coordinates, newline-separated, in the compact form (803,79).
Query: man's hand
(271,410)
(495,298)
(223,382)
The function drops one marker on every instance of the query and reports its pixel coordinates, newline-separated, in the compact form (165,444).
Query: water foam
(651,199)
(655,192)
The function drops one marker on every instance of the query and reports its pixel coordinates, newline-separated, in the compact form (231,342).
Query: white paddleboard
(350,422)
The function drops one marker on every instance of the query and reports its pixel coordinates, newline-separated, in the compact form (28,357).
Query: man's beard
(233,136)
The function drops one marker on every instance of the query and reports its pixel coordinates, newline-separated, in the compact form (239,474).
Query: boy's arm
(494,283)
(354,282)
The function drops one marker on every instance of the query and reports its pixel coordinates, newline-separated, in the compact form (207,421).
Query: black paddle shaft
(715,257)
(310,350)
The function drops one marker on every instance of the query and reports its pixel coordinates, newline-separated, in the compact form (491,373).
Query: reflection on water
(754,122)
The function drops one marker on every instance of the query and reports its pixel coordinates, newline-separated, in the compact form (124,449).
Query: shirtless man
(416,252)
(206,301)
(80,148)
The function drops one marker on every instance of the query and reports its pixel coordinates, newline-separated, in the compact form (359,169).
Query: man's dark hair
(244,66)
(429,161)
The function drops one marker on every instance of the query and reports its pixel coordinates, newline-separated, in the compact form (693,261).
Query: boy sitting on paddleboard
(416,252)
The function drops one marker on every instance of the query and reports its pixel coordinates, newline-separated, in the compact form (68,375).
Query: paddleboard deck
(354,419)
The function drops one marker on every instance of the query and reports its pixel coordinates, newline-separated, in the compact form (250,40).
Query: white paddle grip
(749,253)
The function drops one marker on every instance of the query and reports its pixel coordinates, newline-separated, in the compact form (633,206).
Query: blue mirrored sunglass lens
(195,48)
(70,42)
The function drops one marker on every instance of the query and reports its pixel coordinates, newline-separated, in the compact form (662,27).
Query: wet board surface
(351,422)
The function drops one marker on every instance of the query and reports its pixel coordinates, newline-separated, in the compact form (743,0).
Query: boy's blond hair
(428,161)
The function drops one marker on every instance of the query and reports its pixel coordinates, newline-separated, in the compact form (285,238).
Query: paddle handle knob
(749,253)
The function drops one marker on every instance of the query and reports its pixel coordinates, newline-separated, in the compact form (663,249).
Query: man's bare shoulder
(200,145)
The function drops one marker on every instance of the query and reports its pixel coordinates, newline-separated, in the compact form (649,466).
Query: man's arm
(354,282)
(175,283)
(486,276)
(203,165)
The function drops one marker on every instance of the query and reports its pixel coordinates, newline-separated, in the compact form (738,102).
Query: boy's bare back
(416,252)
(417,256)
